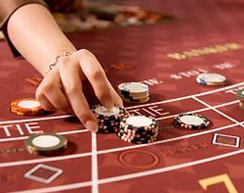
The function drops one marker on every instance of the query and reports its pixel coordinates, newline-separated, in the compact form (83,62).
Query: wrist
(52,65)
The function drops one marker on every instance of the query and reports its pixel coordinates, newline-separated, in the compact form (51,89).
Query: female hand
(61,88)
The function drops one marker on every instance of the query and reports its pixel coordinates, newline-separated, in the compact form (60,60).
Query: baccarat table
(206,37)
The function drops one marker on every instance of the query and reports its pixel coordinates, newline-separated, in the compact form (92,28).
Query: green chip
(240,94)
(45,143)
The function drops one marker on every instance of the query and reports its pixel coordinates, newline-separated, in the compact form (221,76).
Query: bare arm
(36,35)
(34,32)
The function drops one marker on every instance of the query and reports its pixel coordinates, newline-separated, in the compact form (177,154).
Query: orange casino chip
(27,106)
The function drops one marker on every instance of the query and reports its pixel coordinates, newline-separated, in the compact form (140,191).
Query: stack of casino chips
(211,79)
(134,92)
(191,121)
(138,129)
(108,120)
(240,96)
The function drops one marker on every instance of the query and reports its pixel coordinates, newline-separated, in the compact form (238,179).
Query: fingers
(71,79)
(50,94)
(117,99)
(97,77)
(44,102)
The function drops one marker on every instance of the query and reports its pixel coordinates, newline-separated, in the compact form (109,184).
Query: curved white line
(74,156)
(134,175)
(131,107)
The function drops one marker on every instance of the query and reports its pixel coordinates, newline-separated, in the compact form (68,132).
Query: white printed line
(43,160)
(136,175)
(131,107)
(94,164)
(200,110)
(74,156)
(169,168)
(73,132)
(166,140)
(13,139)
(161,118)
(187,97)
(218,111)
(227,104)
(174,115)
(57,188)
(60,133)
(36,119)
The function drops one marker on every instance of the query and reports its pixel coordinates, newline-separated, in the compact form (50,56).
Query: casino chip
(134,92)
(46,144)
(240,96)
(108,120)
(138,129)
(27,106)
(191,121)
(211,79)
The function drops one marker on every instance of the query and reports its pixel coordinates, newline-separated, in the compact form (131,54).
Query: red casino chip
(27,106)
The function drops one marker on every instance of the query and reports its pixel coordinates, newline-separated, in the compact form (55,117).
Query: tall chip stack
(134,92)
(138,129)
(108,120)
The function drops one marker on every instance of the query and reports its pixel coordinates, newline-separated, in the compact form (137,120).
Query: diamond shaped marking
(52,172)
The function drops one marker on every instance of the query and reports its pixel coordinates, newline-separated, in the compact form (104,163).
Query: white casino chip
(26,106)
(192,120)
(139,121)
(134,87)
(101,110)
(46,141)
(29,104)
(211,78)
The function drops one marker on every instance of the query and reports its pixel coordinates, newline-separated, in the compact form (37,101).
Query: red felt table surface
(181,160)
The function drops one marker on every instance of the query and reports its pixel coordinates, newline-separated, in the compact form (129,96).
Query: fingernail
(92,126)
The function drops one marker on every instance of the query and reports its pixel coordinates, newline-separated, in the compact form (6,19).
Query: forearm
(34,32)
